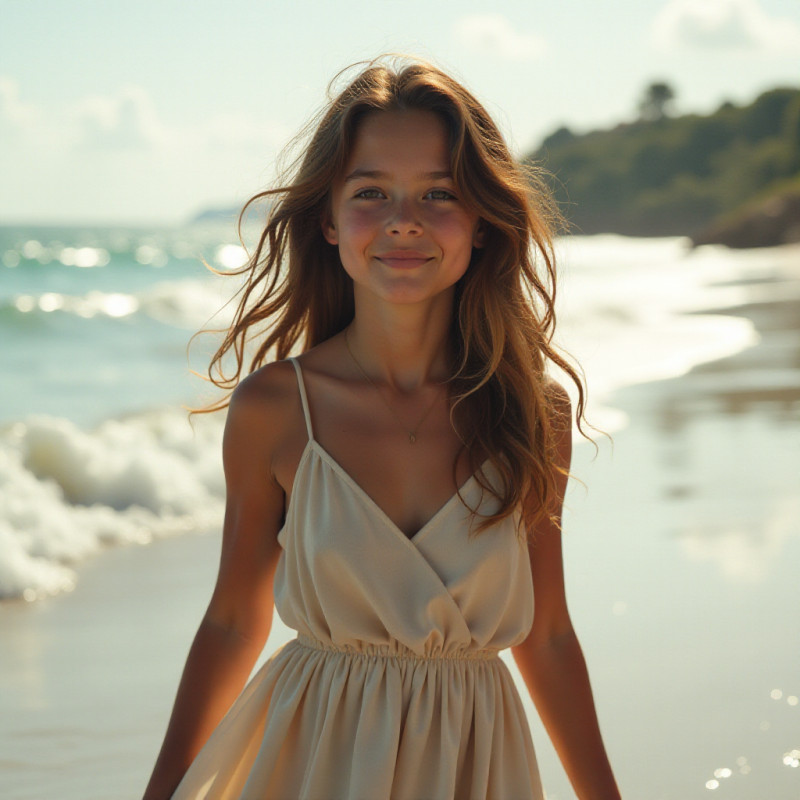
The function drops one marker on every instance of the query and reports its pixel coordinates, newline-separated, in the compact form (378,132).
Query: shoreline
(679,575)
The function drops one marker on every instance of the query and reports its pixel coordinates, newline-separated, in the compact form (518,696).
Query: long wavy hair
(502,403)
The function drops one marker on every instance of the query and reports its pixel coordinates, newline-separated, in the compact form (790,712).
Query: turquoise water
(95,445)
(88,342)
(680,554)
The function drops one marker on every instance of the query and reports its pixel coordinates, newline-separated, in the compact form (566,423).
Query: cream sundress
(393,688)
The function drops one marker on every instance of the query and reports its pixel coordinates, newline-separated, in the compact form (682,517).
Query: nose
(403,218)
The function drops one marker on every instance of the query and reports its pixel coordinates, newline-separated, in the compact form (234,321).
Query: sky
(147,112)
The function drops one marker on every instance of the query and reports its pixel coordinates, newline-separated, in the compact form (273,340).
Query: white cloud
(724,24)
(11,107)
(493,34)
(15,116)
(126,120)
(114,155)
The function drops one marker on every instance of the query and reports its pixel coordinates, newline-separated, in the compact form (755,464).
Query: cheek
(455,228)
(357,223)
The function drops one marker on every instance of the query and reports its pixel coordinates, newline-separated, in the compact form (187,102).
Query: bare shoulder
(271,386)
(561,407)
(262,409)
(559,396)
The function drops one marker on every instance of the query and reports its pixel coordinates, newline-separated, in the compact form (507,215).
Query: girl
(396,489)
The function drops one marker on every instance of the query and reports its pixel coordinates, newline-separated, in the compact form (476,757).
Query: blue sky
(148,111)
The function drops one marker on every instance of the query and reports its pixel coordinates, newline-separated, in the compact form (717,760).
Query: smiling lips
(403,259)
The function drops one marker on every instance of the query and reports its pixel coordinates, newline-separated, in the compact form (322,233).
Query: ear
(329,229)
(479,237)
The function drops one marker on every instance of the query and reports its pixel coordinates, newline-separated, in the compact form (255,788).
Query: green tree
(656,101)
(561,136)
(766,115)
(674,176)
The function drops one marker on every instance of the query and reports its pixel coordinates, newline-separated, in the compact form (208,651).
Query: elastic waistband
(394,650)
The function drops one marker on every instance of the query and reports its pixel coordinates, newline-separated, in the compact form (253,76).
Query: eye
(440,194)
(368,194)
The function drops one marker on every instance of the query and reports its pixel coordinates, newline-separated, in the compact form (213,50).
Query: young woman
(395,491)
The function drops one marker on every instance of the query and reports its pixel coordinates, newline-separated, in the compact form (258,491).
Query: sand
(681,561)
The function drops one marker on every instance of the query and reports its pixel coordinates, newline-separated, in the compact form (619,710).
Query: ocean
(680,540)
(96,448)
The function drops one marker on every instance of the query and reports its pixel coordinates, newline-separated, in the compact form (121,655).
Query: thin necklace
(412,434)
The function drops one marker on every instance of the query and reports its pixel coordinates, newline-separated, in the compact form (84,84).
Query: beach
(681,551)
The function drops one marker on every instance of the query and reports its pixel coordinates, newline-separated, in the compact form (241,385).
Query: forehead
(400,139)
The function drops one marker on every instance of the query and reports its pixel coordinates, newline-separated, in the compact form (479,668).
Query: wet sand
(682,566)
(681,557)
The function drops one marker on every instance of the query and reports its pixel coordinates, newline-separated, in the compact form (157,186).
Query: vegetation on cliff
(687,175)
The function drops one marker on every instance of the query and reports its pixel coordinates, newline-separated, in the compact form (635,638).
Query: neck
(403,346)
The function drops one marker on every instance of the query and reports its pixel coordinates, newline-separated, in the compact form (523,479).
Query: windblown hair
(503,404)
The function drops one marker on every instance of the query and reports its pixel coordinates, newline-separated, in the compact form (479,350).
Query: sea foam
(186,304)
(630,311)
(67,492)
(638,310)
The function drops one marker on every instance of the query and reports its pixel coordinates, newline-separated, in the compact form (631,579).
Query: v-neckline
(313,444)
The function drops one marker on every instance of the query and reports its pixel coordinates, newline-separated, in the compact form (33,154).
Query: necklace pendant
(412,438)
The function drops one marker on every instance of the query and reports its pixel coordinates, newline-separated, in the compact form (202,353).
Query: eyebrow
(376,173)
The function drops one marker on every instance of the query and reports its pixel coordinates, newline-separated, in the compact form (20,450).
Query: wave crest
(68,492)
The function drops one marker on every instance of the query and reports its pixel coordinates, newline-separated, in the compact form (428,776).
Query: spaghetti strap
(303,396)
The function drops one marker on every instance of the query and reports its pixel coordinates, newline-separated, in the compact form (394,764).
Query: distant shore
(769,222)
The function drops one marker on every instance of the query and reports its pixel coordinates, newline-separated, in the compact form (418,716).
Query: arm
(550,659)
(239,617)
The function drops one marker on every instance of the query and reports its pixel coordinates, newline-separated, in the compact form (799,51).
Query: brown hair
(503,404)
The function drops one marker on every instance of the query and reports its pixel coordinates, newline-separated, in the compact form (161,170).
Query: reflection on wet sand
(684,553)
(729,443)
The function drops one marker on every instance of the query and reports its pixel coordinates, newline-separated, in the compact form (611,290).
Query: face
(402,232)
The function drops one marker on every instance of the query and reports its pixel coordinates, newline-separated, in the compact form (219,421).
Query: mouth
(403,259)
